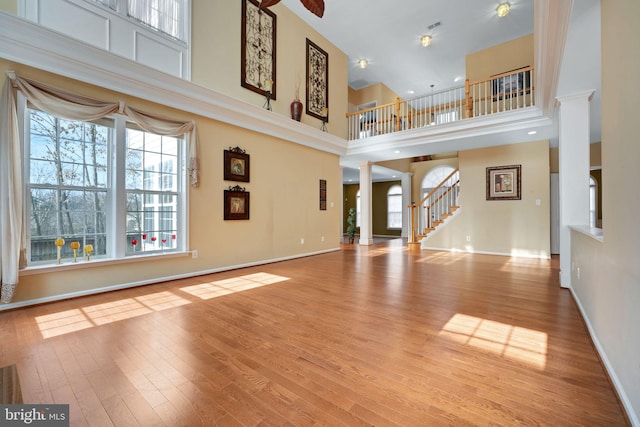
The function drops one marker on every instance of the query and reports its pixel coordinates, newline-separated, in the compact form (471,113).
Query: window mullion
(117,195)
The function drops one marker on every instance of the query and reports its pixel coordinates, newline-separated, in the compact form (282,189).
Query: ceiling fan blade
(268,3)
(314,6)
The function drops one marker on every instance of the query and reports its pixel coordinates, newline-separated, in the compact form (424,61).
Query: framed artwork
(504,182)
(236,165)
(258,49)
(515,83)
(317,82)
(323,194)
(236,203)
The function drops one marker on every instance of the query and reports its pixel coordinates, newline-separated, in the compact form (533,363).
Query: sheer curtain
(69,106)
(164,15)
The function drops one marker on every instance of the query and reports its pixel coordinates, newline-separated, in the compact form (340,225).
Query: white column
(406,201)
(366,223)
(341,204)
(573,155)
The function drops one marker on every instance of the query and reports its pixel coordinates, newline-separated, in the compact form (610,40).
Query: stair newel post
(428,216)
(412,235)
(469,112)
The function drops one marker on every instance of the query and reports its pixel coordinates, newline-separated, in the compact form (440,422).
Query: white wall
(608,286)
(103,28)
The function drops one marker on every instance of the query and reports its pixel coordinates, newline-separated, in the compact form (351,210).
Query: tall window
(75,194)
(167,16)
(394,207)
(151,191)
(68,185)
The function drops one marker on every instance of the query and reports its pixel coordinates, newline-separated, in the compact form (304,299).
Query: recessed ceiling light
(533,132)
(397,151)
(363,63)
(503,9)
(425,40)
(411,92)
(458,79)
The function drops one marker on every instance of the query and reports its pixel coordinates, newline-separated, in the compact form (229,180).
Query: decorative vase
(296,110)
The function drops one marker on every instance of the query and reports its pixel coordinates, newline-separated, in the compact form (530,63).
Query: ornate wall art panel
(258,56)
(317,82)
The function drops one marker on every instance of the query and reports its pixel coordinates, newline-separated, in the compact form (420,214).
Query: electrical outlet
(322,239)
(468,238)
(302,240)
(194,254)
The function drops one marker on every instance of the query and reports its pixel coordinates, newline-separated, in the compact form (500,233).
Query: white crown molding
(550,35)
(30,44)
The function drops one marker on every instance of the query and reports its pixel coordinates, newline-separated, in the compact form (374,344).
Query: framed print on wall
(317,82)
(515,83)
(323,194)
(236,165)
(236,203)
(258,49)
(504,182)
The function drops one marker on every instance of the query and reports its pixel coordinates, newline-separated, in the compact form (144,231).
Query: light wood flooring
(364,336)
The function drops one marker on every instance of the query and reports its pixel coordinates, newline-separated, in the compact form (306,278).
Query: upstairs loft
(425,121)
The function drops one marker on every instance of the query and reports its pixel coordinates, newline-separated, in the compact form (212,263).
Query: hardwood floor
(363,336)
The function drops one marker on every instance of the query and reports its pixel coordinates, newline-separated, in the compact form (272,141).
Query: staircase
(435,208)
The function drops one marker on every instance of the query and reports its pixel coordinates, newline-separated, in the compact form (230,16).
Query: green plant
(351,225)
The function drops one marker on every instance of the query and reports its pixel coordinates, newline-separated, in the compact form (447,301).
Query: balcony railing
(504,92)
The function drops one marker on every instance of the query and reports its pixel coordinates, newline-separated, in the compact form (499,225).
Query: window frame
(115,204)
(389,195)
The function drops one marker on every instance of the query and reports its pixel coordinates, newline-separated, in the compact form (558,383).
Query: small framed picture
(236,165)
(236,203)
(504,182)
(323,194)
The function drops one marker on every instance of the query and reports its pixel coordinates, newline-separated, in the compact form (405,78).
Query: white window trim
(116,248)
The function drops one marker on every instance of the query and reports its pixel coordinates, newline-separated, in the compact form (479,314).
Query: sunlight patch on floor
(232,285)
(513,342)
(64,322)
(443,258)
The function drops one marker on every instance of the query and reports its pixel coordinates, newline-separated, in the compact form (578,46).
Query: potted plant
(351,225)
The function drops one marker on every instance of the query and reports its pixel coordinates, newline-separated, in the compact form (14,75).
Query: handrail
(432,192)
(502,92)
(438,202)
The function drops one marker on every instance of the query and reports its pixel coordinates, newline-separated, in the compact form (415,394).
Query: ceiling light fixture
(503,9)
(363,63)
(425,41)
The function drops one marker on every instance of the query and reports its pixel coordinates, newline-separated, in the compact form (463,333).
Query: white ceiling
(387,34)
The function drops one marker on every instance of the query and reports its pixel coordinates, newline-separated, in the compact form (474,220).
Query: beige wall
(500,59)
(284,204)
(377,92)
(515,227)
(216,64)
(608,289)
(10,6)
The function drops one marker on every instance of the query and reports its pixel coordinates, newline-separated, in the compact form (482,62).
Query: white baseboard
(633,417)
(70,295)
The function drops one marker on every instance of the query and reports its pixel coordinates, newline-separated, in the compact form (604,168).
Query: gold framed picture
(504,182)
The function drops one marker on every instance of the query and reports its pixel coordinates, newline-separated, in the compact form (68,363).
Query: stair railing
(437,204)
(503,92)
